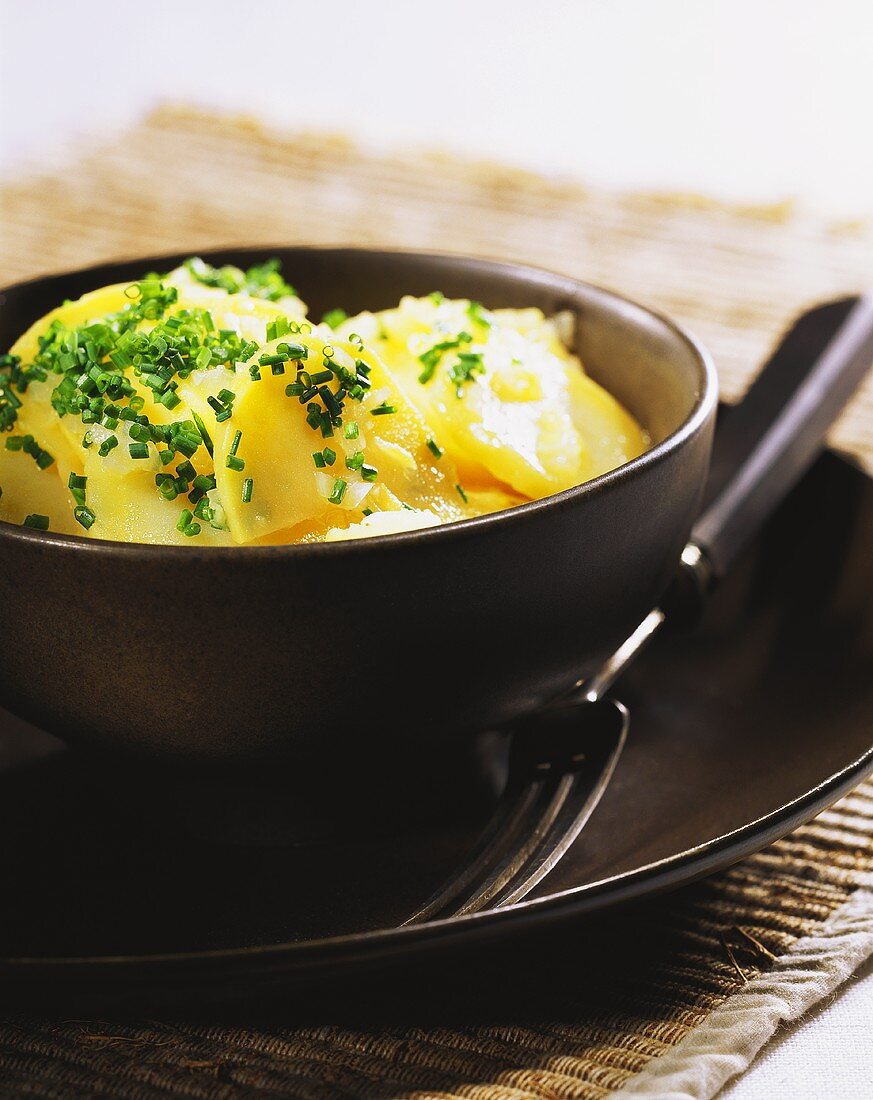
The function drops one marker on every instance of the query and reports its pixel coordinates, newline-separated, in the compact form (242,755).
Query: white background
(756,100)
(753,99)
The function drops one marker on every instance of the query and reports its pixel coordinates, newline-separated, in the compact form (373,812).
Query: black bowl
(356,648)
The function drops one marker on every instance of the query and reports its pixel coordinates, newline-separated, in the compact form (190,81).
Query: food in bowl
(203,408)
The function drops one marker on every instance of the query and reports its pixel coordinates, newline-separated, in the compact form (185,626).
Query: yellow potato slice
(277,446)
(503,397)
(28,490)
(484,502)
(505,414)
(384,523)
(129,508)
(611,434)
(248,309)
(91,307)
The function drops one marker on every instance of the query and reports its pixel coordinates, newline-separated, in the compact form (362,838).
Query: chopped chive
(107,445)
(234,447)
(184,519)
(334,317)
(369,473)
(338,491)
(479,315)
(318,459)
(383,410)
(138,450)
(461,493)
(248,486)
(167,489)
(367,512)
(235,463)
(329,455)
(435,450)
(207,439)
(37,522)
(351,431)
(330,401)
(191,529)
(30,446)
(84,516)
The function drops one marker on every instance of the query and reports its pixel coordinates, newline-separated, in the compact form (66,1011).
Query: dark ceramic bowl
(302,652)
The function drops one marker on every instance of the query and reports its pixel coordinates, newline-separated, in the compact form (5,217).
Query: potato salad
(205,407)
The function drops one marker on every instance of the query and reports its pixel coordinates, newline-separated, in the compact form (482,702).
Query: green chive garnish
(84,516)
(248,486)
(37,522)
(461,493)
(334,317)
(204,434)
(338,492)
(478,314)
(434,449)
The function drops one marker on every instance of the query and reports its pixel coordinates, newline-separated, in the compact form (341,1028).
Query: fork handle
(773,436)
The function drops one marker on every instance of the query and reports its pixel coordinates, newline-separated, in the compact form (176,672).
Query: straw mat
(682,991)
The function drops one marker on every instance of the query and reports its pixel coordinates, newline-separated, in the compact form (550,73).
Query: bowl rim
(702,409)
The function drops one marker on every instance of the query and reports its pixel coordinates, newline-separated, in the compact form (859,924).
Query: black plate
(739,733)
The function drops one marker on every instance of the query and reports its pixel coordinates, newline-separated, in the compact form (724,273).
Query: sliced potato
(28,490)
(459,412)
(502,394)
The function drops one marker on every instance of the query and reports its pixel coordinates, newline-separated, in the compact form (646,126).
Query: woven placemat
(792,919)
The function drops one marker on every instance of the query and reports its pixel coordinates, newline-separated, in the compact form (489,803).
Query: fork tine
(550,795)
(588,787)
(516,813)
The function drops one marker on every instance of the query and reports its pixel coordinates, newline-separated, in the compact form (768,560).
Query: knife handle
(772,437)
